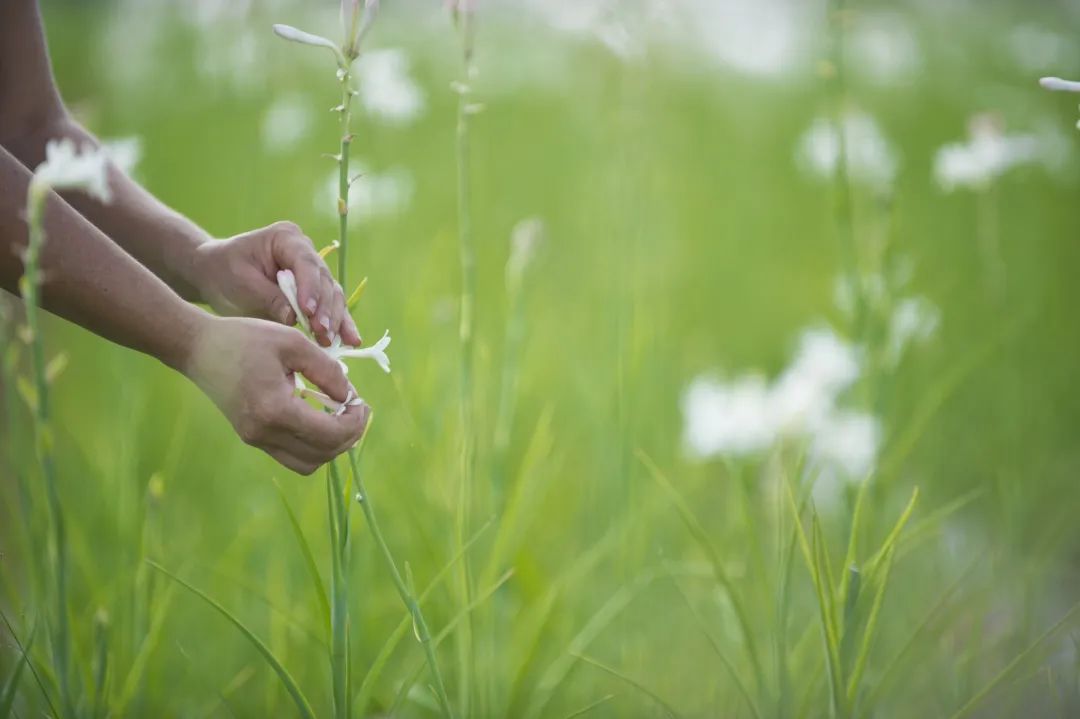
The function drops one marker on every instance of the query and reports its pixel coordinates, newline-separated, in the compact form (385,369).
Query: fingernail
(325,322)
(310,306)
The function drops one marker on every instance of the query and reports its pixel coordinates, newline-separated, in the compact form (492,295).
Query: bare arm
(235,276)
(244,366)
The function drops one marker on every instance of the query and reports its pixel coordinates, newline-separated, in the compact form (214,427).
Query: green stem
(338,510)
(343,174)
(420,626)
(30,287)
(467,254)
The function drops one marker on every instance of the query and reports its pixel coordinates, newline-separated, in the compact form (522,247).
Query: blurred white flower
(124,152)
(728,418)
(987,154)
(847,442)
(883,47)
(914,319)
(763,38)
(844,449)
(871,160)
(286,123)
(824,366)
(67,167)
(371,195)
(386,89)
(748,415)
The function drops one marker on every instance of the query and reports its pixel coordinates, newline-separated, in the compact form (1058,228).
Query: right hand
(246,367)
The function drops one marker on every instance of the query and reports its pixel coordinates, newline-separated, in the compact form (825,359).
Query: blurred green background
(659,143)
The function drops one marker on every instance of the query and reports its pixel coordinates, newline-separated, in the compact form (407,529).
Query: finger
(301,355)
(290,461)
(349,334)
(292,250)
(323,326)
(271,301)
(337,310)
(326,433)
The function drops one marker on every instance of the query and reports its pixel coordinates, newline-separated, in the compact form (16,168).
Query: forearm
(91,281)
(161,239)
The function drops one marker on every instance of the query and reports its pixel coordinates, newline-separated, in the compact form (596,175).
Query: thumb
(304,356)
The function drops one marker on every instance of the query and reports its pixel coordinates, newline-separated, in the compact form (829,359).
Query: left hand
(238,277)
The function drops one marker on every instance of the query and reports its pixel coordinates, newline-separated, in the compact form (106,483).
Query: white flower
(1059,85)
(357,17)
(870,158)
(748,416)
(987,155)
(124,152)
(336,351)
(288,32)
(806,392)
(69,168)
(376,352)
(386,89)
(728,418)
(287,283)
(847,442)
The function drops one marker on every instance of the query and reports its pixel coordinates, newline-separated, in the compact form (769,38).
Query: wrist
(188,250)
(181,342)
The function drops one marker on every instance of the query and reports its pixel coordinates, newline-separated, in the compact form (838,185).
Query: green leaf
(1011,667)
(290,684)
(7,696)
(701,537)
(309,558)
(632,682)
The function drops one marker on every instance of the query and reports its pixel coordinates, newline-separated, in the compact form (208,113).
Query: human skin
(129,271)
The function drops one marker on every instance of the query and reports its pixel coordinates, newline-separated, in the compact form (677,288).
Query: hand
(238,277)
(246,367)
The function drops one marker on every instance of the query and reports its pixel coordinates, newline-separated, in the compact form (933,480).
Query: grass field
(603,564)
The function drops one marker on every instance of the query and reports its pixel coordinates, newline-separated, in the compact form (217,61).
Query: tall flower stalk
(65,167)
(463,14)
(357,17)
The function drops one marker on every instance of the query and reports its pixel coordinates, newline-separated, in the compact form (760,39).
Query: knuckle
(286,226)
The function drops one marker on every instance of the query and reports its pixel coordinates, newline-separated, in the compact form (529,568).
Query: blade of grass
(558,670)
(916,636)
(367,686)
(701,537)
(309,557)
(832,654)
(1012,666)
(414,674)
(589,707)
(728,664)
(286,679)
(11,686)
(894,535)
(146,648)
(672,714)
(868,632)
(25,656)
